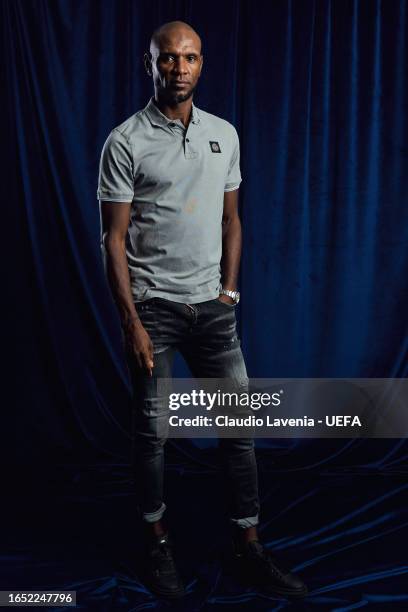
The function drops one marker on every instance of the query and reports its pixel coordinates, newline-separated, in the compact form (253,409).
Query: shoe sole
(282,592)
(164,594)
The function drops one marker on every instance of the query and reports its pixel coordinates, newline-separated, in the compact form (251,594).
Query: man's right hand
(140,345)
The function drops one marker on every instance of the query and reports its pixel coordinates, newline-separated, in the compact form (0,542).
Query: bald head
(171,32)
(174,61)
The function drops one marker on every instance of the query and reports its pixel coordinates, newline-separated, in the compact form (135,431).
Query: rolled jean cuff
(152,517)
(244,523)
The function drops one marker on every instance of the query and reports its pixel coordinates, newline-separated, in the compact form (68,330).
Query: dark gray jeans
(206,336)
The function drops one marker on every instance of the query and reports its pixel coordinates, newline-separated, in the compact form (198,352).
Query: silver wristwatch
(232,294)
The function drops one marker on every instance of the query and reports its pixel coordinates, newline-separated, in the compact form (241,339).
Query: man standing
(171,237)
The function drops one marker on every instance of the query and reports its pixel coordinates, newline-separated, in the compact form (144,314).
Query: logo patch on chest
(214,146)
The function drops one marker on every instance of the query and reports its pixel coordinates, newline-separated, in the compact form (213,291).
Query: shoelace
(163,549)
(162,560)
(162,552)
(268,558)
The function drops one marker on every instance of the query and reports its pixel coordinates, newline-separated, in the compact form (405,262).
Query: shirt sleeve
(116,182)
(234,175)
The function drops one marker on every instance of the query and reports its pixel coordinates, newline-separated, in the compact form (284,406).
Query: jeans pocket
(225,304)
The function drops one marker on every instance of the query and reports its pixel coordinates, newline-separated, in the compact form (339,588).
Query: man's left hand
(226,298)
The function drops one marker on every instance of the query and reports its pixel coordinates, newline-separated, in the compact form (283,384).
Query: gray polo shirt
(175,178)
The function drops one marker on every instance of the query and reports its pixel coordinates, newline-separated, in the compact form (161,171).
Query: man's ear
(202,62)
(148,63)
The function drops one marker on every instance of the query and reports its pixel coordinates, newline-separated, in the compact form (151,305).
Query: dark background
(318,94)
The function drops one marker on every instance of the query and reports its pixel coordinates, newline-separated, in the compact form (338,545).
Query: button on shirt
(175,177)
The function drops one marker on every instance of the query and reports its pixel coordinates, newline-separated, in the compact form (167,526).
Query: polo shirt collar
(158,118)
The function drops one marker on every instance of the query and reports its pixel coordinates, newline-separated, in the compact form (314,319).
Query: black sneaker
(253,565)
(160,573)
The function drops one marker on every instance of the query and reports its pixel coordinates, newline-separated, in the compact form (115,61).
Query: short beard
(173,98)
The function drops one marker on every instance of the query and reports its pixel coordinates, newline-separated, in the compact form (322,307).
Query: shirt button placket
(188,150)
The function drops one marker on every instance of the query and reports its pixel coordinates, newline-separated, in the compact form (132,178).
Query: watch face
(237,297)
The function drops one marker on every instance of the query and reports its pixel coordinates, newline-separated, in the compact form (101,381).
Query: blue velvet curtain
(318,92)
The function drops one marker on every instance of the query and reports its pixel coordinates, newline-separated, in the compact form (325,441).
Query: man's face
(176,65)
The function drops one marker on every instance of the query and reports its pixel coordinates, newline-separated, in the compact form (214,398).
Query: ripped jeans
(205,334)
